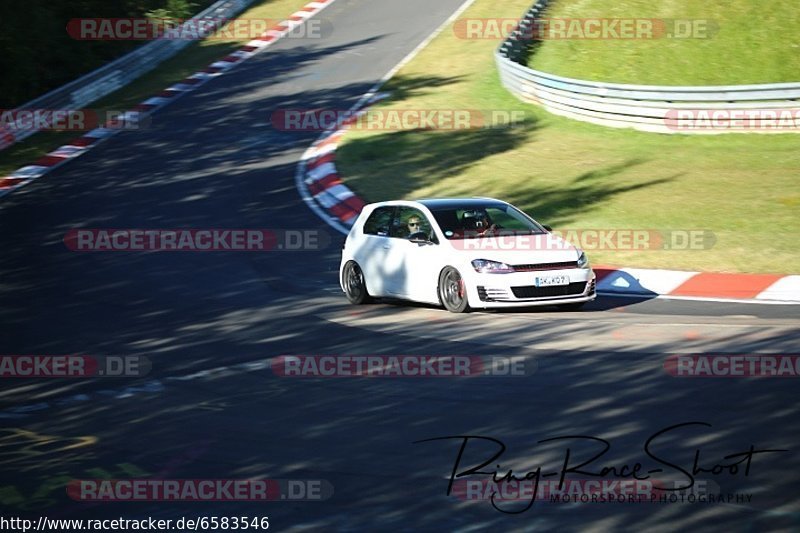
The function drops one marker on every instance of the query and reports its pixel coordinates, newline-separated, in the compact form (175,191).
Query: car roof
(452,203)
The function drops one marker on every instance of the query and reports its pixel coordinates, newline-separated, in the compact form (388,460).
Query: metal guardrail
(120,72)
(662,109)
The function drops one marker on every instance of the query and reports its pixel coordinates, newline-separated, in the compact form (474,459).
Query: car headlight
(583,261)
(484,266)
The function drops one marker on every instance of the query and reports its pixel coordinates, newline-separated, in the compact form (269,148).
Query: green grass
(193,58)
(749,41)
(573,175)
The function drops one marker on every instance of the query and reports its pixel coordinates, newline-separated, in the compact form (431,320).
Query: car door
(414,261)
(374,248)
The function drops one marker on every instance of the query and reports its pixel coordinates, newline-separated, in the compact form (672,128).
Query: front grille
(530,291)
(545,266)
(491,295)
(482,293)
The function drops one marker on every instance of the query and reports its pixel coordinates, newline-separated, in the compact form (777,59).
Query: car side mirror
(547,227)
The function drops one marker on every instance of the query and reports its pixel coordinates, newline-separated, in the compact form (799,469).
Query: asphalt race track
(211,408)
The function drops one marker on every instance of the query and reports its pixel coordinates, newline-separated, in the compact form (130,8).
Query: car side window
(410,221)
(379,222)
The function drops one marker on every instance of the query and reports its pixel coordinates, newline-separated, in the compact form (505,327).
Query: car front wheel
(453,291)
(355,288)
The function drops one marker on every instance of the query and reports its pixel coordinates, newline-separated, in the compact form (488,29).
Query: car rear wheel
(355,288)
(452,291)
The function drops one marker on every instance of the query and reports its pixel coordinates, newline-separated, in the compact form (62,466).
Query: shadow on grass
(404,87)
(396,164)
(555,205)
(406,161)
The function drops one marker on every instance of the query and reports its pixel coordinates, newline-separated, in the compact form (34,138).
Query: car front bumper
(518,289)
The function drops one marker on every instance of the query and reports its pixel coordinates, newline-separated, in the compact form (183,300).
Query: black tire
(355,288)
(571,307)
(452,292)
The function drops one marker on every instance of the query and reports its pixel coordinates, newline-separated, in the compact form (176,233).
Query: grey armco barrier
(107,79)
(766,108)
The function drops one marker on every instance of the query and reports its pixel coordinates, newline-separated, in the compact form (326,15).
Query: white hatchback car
(461,253)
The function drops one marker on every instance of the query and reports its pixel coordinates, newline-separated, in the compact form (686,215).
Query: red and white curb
(77,147)
(322,188)
(318,181)
(752,288)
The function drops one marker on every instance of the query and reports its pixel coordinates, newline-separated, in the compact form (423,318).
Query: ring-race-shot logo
(578,458)
(585,28)
(146,29)
(195,240)
(400,366)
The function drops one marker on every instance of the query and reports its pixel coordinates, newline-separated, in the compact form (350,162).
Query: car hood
(518,249)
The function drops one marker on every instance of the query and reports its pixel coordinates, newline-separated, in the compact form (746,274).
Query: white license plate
(550,281)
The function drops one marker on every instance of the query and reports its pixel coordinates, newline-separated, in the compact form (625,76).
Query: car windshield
(475,221)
